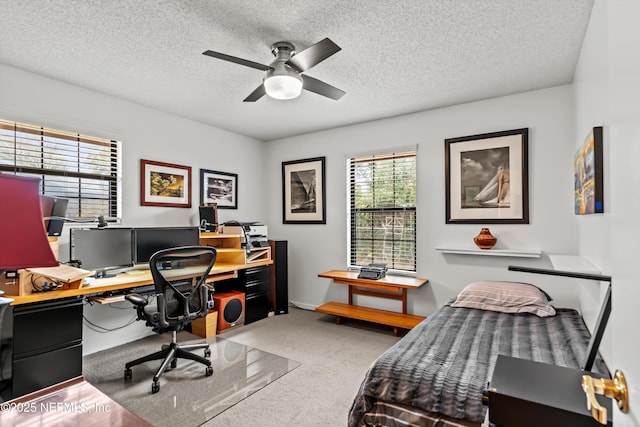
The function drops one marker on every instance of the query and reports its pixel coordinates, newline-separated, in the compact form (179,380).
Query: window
(382,210)
(81,168)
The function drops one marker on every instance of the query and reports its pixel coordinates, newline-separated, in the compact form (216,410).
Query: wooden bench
(374,315)
(389,287)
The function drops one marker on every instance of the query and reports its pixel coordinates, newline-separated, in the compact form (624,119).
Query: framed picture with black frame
(486,178)
(588,175)
(220,188)
(303,191)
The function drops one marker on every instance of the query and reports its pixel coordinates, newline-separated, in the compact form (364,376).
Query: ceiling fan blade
(237,60)
(314,54)
(256,94)
(321,88)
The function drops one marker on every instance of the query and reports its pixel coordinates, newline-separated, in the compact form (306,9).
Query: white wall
(606,93)
(591,109)
(624,137)
(316,248)
(591,94)
(150,134)
(146,134)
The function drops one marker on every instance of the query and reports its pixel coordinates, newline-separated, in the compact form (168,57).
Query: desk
(389,287)
(44,329)
(130,280)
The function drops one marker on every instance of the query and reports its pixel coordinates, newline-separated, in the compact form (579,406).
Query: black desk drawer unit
(523,393)
(47,344)
(46,326)
(257,300)
(45,369)
(6,351)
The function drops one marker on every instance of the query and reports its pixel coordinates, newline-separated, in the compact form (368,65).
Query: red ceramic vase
(485,240)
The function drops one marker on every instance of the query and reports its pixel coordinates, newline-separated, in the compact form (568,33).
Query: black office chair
(179,276)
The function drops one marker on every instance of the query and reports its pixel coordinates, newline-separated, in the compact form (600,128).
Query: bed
(435,375)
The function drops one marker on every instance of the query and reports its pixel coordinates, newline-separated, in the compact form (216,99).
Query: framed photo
(486,178)
(303,191)
(220,188)
(165,184)
(588,175)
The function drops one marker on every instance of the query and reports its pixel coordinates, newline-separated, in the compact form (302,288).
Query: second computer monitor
(150,240)
(101,250)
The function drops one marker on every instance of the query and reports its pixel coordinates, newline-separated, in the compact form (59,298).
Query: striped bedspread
(443,364)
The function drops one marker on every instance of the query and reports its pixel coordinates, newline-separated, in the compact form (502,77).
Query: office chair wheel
(155,387)
(207,353)
(209,371)
(128,374)
(174,363)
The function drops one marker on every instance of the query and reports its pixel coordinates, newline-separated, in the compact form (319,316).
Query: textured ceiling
(397,56)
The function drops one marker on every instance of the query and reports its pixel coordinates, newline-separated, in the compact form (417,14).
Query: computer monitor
(149,240)
(102,250)
(209,217)
(54,209)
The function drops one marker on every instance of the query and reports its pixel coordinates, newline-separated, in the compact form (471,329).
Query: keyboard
(148,289)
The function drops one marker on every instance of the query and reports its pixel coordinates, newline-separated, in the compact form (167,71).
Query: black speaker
(279,277)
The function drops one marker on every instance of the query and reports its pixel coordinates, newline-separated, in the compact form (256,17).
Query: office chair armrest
(140,303)
(137,300)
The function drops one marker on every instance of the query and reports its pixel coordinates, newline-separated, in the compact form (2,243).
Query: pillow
(506,297)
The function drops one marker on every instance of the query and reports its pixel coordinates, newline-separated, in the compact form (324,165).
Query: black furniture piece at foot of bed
(524,393)
(435,376)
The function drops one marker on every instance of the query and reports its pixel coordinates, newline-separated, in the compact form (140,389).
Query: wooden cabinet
(231,251)
(228,247)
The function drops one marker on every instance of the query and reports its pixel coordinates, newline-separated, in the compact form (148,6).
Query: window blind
(83,169)
(382,210)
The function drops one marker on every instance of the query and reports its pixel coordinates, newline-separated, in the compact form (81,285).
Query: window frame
(350,199)
(42,142)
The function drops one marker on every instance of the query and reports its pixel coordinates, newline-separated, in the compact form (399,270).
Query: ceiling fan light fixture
(281,81)
(284,79)
(283,86)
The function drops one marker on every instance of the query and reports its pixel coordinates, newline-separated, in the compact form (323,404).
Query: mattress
(436,374)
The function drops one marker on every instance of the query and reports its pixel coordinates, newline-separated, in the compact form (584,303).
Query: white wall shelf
(522,253)
(573,263)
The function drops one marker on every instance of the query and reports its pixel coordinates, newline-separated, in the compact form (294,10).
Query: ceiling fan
(284,78)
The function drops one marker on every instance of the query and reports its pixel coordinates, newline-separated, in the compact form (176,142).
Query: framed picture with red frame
(165,184)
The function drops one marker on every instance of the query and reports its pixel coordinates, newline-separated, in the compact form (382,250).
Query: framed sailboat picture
(303,191)
(486,178)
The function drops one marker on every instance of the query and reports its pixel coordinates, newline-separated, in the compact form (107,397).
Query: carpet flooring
(295,369)
(187,397)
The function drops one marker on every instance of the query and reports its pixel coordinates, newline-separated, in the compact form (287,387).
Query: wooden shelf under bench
(389,287)
(374,315)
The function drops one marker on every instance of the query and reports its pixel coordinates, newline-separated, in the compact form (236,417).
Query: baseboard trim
(303,305)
